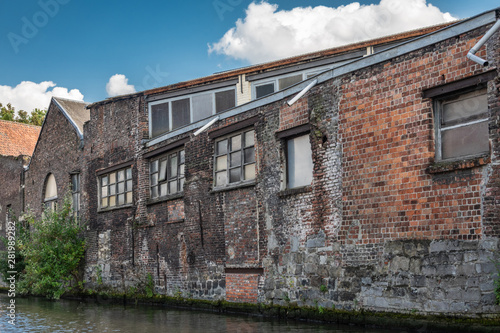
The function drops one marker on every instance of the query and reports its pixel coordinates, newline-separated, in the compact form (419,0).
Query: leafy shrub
(53,250)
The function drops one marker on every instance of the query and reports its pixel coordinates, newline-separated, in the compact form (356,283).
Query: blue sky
(76,46)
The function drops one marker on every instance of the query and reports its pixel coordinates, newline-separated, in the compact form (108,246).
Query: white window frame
(190,97)
(275,79)
(76,193)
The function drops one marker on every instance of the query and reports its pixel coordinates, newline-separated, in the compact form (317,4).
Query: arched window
(50,193)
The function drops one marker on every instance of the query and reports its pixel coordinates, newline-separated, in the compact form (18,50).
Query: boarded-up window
(299,162)
(462,125)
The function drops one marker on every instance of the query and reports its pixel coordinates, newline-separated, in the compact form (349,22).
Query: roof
(301,58)
(75,111)
(17,138)
(304,58)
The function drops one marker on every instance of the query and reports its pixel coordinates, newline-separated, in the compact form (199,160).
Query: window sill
(104,210)
(165,198)
(233,187)
(294,191)
(452,165)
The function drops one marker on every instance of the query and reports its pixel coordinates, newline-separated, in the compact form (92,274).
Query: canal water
(40,315)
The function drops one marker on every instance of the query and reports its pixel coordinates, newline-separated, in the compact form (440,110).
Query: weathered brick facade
(383,224)
(58,152)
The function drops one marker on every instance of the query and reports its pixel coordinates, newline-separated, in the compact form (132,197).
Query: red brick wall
(242,288)
(386,128)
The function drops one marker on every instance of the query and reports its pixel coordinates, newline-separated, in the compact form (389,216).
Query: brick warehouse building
(17,142)
(376,189)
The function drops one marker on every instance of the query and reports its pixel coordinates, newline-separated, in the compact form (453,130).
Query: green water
(40,315)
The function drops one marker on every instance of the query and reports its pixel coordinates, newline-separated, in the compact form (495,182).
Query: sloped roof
(17,138)
(76,112)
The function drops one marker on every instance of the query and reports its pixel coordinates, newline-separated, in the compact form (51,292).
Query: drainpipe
(300,94)
(207,125)
(471,55)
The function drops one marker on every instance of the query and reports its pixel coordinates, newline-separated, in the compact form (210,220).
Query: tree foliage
(53,251)
(8,112)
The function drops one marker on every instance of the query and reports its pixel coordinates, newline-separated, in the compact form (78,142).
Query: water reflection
(40,315)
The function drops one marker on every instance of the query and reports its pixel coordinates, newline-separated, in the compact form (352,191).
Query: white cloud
(118,85)
(29,95)
(267,33)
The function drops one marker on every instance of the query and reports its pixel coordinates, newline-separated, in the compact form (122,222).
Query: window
(116,188)
(299,165)
(170,114)
(264,89)
(50,193)
(235,159)
(289,81)
(462,125)
(166,174)
(75,193)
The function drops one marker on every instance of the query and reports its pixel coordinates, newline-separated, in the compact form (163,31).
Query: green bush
(53,250)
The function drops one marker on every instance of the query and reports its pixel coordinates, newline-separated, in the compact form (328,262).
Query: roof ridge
(18,123)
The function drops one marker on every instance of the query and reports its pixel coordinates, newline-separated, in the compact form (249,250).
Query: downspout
(300,94)
(471,55)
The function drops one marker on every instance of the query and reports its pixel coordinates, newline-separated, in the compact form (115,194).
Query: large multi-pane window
(166,174)
(462,125)
(116,188)
(235,159)
(170,114)
(75,193)
(299,165)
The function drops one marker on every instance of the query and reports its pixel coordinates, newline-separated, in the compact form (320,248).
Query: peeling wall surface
(382,226)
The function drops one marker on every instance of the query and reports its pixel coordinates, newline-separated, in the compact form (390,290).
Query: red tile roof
(17,138)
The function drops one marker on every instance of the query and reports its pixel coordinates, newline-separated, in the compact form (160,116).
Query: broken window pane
(180,113)
(159,119)
(173,166)
(224,100)
(202,106)
(163,170)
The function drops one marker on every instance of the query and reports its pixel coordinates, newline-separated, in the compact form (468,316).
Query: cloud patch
(29,95)
(118,85)
(267,34)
